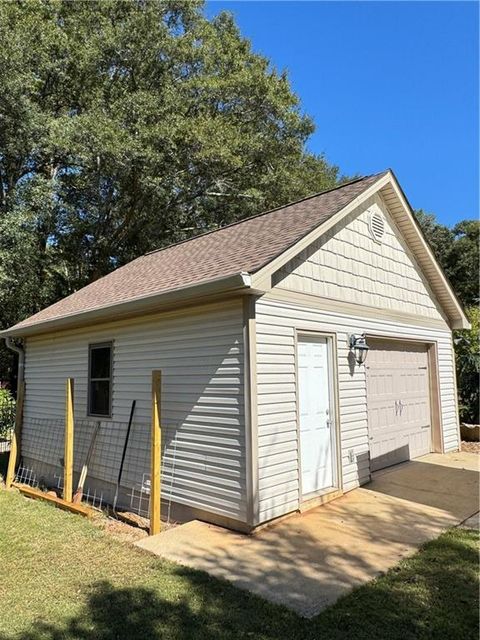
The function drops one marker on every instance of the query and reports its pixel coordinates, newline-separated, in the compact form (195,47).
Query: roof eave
(239,282)
(461,323)
(457,315)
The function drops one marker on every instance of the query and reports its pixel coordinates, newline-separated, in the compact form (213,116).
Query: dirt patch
(120,530)
(471,447)
(126,532)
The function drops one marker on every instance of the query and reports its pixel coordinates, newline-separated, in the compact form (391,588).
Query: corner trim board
(251,409)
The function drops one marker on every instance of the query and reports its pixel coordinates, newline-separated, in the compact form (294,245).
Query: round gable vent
(377,226)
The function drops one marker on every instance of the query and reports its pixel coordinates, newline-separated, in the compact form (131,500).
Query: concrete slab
(309,560)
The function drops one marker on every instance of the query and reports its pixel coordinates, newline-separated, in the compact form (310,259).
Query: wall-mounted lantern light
(359,347)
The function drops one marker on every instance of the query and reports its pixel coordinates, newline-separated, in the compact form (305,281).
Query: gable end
(366,266)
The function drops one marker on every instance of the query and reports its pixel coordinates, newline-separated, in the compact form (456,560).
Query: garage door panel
(384,382)
(415,413)
(418,443)
(380,416)
(398,403)
(389,452)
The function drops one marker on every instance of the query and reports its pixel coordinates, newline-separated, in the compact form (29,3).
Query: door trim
(435,401)
(436,425)
(331,339)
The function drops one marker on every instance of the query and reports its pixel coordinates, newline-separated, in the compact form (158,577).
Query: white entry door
(316,430)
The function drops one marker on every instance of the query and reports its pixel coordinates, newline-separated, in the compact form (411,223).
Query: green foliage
(130,125)
(457,251)
(7,413)
(467,350)
(465,261)
(440,237)
(126,126)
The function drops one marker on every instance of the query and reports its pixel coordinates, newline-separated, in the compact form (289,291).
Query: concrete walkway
(309,560)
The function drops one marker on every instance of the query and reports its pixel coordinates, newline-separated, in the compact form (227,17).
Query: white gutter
(240,282)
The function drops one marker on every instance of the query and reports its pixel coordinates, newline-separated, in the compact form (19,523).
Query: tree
(439,237)
(126,125)
(129,125)
(465,260)
(467,351)
(457,251)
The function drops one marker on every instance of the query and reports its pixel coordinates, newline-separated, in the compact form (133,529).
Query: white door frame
(331,339)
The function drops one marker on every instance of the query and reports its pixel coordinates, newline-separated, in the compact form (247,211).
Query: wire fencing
(42,452)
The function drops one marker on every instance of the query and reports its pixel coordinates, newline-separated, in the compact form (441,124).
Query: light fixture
(359,347)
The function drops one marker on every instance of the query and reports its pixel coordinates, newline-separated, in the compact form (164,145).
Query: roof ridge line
(263,213)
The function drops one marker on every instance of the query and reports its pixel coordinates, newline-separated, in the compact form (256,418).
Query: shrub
(467,355)
(7,413)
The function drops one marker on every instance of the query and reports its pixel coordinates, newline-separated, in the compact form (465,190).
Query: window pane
(100,398)
(100,362)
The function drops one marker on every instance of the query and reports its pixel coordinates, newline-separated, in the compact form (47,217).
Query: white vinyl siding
(200,354)
(347,264)
(277,322)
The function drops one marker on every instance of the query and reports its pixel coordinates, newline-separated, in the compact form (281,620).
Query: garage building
(260,329)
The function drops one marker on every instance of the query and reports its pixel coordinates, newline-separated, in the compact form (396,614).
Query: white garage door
(398,402)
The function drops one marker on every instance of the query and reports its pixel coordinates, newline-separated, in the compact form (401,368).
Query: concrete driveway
(309,560)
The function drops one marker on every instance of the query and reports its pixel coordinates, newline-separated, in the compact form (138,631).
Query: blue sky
(388,84)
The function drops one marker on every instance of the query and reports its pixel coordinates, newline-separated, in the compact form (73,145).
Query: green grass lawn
(63,578)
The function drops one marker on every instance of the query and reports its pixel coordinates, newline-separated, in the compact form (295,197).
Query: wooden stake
(16,439)
(68,454)
(155,463)
(78,495)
